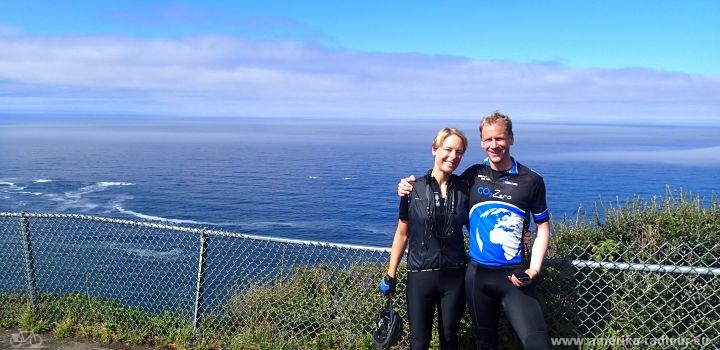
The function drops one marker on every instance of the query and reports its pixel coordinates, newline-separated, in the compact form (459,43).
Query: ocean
(320,179)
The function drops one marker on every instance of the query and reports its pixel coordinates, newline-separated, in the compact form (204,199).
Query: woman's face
(449,154)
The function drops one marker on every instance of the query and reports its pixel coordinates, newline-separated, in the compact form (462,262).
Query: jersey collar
(513,170)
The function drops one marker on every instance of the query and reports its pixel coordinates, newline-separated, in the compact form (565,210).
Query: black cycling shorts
(426,291)
(489,291)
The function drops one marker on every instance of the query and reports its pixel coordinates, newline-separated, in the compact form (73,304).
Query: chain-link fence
(244,289)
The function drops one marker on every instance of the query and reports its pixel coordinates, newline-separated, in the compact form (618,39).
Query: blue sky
(585,61)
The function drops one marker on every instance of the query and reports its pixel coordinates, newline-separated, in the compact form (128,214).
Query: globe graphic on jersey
(506,232)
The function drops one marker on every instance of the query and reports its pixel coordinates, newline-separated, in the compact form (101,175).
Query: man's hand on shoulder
(405,186)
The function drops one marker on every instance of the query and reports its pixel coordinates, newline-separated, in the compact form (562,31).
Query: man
(504,196)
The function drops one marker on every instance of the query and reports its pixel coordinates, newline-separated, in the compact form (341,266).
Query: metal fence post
(29,260)
(200,290)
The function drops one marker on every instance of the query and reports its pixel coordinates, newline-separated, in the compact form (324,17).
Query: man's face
(496,142)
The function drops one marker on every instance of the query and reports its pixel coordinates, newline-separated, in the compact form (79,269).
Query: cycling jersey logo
(484,178)
(508,182)
(492,193)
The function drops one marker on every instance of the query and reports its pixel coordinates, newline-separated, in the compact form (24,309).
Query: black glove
(387,285)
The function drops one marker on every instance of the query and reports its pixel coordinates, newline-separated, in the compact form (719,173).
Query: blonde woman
(430,225)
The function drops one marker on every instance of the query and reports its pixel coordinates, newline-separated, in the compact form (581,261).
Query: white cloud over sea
(227,76)
(702,156)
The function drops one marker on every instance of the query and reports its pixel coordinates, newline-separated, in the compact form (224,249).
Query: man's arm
(539,249)
(405,186)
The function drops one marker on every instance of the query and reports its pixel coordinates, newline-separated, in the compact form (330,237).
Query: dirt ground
(13,339)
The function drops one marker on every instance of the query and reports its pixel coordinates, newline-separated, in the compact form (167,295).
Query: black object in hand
(521,275)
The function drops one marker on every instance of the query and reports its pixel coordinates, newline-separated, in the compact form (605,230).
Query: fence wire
(324,295)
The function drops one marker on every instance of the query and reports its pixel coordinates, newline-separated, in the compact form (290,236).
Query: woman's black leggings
(489,291)
(428,290)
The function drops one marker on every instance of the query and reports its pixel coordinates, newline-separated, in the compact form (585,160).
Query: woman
(430,224)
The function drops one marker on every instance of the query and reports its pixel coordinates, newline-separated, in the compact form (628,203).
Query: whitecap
(32,193)
(42,180)
(12,186)
(97,187)
(111,183)
(159,218)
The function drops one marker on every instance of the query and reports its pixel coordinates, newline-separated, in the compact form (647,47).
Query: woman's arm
(398,246)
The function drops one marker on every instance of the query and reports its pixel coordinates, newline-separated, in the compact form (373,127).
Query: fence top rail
(637,267)
(192,230)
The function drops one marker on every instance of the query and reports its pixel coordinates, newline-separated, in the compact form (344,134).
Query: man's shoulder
(527,171)
(472,171)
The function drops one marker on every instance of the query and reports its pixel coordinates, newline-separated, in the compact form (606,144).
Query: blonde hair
(497,118)
(444,133)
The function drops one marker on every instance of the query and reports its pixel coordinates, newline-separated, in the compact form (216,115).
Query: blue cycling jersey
(501,205)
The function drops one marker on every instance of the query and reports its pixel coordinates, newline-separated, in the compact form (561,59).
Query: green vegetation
(83,316)
(326,307)
(676,220)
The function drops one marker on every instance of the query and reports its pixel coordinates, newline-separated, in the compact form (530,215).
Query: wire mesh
(325,295)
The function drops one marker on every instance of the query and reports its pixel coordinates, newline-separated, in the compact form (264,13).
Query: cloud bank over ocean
(701,157)
(227,76)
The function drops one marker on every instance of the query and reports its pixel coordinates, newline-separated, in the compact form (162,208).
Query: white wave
(159,218)
(110,183)
(54,197)
(146,253)
(12,186)
(79,193)
(97,187)
(149,253)
(69,201)
(39,181)
(347,178)
(313,177)
(32,193)
(116,202)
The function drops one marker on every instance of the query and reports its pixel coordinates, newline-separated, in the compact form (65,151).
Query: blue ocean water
(319,179)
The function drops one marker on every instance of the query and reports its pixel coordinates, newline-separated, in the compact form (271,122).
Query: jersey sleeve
(539,209)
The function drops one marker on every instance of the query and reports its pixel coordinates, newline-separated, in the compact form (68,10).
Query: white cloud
(703,156)
(216,75)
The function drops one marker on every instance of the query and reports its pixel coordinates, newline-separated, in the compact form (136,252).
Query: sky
(636,62)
